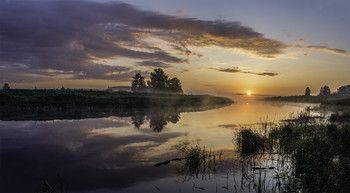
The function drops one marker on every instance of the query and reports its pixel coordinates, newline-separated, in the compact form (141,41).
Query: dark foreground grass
(198,160)
(319,152)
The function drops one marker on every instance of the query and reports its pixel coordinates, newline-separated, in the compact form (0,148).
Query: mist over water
(118,154)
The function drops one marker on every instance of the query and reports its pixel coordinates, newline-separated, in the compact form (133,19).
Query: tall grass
(198,160)
(318,153)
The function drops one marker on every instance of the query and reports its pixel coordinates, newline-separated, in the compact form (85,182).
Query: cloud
(72,36)
(264,73)
(230,70)
(324,48)
(237,70)
(154,64)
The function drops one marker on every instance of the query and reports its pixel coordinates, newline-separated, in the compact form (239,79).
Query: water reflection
(157,120)
(85,158)
(118,153)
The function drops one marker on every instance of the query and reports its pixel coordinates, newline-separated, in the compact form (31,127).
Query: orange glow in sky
(268,50)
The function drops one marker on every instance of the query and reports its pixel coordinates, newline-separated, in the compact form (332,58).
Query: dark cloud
(333,50)
(324,48)
(154,64)
(264,73)
(71,37)
(229,126)
(230,70)
(237,70)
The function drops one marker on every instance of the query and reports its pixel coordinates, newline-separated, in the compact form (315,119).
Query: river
(118,154)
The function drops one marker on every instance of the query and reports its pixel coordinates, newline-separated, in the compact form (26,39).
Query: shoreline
(20,104)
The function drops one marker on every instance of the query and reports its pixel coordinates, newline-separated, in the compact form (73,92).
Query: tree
(160,82)
(174,85)
(307,91)
(138,82)
(158,79)
(344,89)
(6,86)
(324,91)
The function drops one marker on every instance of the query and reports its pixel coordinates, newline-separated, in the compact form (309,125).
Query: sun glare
(249,93)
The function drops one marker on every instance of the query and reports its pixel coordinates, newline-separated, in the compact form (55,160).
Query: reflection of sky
(111,154)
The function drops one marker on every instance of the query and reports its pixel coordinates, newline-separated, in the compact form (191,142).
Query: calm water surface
(118,154)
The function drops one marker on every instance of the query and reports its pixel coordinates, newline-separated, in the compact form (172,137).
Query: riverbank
(71,104)
(333,99)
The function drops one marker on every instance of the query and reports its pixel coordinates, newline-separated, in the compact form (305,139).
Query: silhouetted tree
(344,89)
(324,91)
(307,91)
(174,85)
(160,82)
(138,82)
(158,79)
(6,86)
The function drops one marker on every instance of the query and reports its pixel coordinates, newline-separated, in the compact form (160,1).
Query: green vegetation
(67,103)
(318,154)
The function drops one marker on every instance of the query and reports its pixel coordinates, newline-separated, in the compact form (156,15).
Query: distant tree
(344,89)
(324,91)
(158,79)
(307,91)
(6,86)
(62,88)
(138,82)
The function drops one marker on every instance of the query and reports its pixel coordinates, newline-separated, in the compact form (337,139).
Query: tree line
(159,82)
(325,90)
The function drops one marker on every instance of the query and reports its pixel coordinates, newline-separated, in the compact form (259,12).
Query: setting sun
(249,93)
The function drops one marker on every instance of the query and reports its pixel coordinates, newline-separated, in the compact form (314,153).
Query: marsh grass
(250,142)
(316,154)
(198,160)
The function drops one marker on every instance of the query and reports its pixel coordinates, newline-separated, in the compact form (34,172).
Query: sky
(276,47)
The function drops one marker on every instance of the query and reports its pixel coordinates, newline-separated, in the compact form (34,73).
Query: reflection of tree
(137,120)
(157,121)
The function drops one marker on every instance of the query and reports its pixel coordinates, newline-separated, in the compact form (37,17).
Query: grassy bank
(84,103)
(333,99)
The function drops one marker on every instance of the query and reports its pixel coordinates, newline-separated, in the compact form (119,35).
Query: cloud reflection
(86,158)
